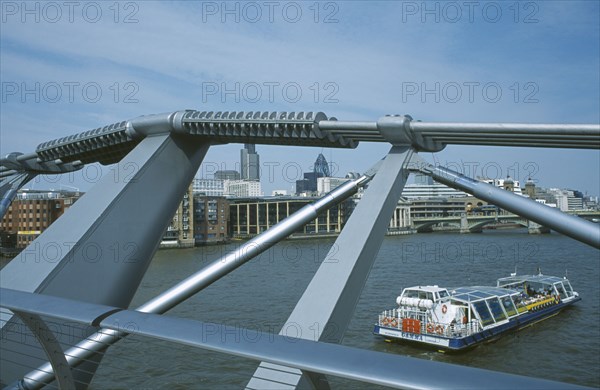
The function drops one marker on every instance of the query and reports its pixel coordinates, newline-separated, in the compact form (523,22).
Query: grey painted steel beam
(99,250)
(569,225)
(362,365)
(206,276)
(478,129)
(291,128)
(110,143)
(327,305)
(432,136)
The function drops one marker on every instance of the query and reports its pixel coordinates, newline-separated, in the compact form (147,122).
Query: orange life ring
(386,321)
(444,309)
(439,329)
(430,328)
(394,323)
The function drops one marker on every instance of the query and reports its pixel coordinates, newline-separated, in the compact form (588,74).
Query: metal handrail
(325,358)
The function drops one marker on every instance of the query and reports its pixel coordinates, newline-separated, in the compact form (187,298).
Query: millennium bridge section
(166,151)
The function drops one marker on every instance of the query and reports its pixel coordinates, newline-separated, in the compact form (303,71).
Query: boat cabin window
(443,294)
(496,309)
(457,303)
(561,290)
(568,287)
(484,313)
(520,303)
(418,294)
(535,288)
(509,306)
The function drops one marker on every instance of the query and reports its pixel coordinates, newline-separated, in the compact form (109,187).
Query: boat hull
(486,335)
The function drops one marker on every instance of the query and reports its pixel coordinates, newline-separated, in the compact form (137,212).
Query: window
(496,309)
(484,313)
(561,290)
(509,306)
(568,287)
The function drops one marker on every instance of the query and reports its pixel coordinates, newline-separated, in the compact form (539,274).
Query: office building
(328,184)
(180,232)
(211,218)
(250,163)
(434,190)
(242,188)
(33,211)
(209,187)
(227,175)
(422,179)
(401,219)
(251,216)
(308,185)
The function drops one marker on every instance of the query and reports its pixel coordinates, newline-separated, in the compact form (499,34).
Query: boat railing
(541,301)
(463,330)
(417,322)
(389,319)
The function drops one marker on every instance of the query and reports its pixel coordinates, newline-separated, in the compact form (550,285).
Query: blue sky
(66,70)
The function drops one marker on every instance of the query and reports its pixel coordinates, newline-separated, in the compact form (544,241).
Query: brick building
(211,219)
(32,212)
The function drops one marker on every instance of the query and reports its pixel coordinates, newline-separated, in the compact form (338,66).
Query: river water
(262,293)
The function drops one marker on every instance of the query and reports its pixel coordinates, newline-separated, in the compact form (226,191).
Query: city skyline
(537,65)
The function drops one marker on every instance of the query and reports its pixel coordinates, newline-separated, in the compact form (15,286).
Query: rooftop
(476,293)
(530,278)
(435,288)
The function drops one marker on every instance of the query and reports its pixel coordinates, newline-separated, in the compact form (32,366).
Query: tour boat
(460,318)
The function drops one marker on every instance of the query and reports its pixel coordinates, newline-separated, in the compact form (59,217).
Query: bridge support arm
(99,250)
(327,306)
(569,225)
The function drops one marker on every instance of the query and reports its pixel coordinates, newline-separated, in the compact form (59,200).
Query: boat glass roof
(475,293)
(531,278)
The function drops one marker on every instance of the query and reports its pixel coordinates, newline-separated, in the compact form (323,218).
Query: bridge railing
(324,358)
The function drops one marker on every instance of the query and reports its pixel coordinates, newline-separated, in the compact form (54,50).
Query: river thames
(261,294)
